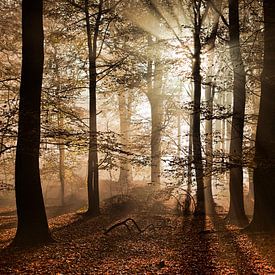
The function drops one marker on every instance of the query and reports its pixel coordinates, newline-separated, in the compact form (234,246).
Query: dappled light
(137,137)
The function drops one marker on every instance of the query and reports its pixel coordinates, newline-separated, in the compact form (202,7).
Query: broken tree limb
(124,223)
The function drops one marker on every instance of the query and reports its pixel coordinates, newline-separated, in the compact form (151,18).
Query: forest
(137,137)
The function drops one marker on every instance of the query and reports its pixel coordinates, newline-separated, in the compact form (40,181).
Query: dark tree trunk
(264,173)
(197,110)
(32,228)
(93,188)
(236,213)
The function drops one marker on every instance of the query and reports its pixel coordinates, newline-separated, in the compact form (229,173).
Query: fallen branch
(124,223)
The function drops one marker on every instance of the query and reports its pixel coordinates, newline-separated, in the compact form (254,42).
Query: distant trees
(32,225)
(62,126)
(9,77)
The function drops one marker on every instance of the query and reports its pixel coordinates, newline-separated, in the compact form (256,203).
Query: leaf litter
(176,245)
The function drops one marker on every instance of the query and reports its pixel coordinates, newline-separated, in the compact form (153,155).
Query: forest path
(175,245)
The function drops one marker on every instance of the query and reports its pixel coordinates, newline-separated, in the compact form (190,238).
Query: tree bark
(60,122)
(200,209)
(156,116)
(236,214)
(264,173)
(61,148)
(154,91)
(125,175)
(209,98)
(209,95)
(187,205)
(32,228)
(93,181)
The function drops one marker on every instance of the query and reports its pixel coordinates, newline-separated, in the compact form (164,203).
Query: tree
(236,213)
(32,226)
(154,94)
(197,106)
(189,164)
(209,98)
(124,104)
(96,23)
(93,189)
(264,172)
(209,95)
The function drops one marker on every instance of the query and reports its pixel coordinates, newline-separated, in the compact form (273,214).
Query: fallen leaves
(176,246)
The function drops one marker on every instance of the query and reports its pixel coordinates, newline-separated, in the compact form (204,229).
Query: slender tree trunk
(125,175)
(223,130)
(61,148)
(129,112)
(179,135)
(156,115)
(32,228)
(93,188)
(264,173)
(227,103)
(236,213)
(255,106)
(155,99)
(189,166)
(218,124)
(209,95)
(197,110)
(209,98)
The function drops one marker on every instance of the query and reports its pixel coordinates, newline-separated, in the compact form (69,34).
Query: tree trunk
(197,111)
(264,173)
(32,228)
(156,116)
(187,205)
(61,148)
(60,121)
(228,102)
(93,189)
(179,145)
(209,95)
(155,99)
(125,175)
(236,214)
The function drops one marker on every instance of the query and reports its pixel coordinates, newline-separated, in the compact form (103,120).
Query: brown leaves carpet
(174,245)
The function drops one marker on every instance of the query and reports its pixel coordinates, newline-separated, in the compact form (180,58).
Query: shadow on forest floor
(172,245)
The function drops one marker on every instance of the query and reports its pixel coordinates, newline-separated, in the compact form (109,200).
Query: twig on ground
(127,226)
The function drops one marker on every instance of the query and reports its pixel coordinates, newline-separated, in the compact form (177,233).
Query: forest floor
(170,245)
